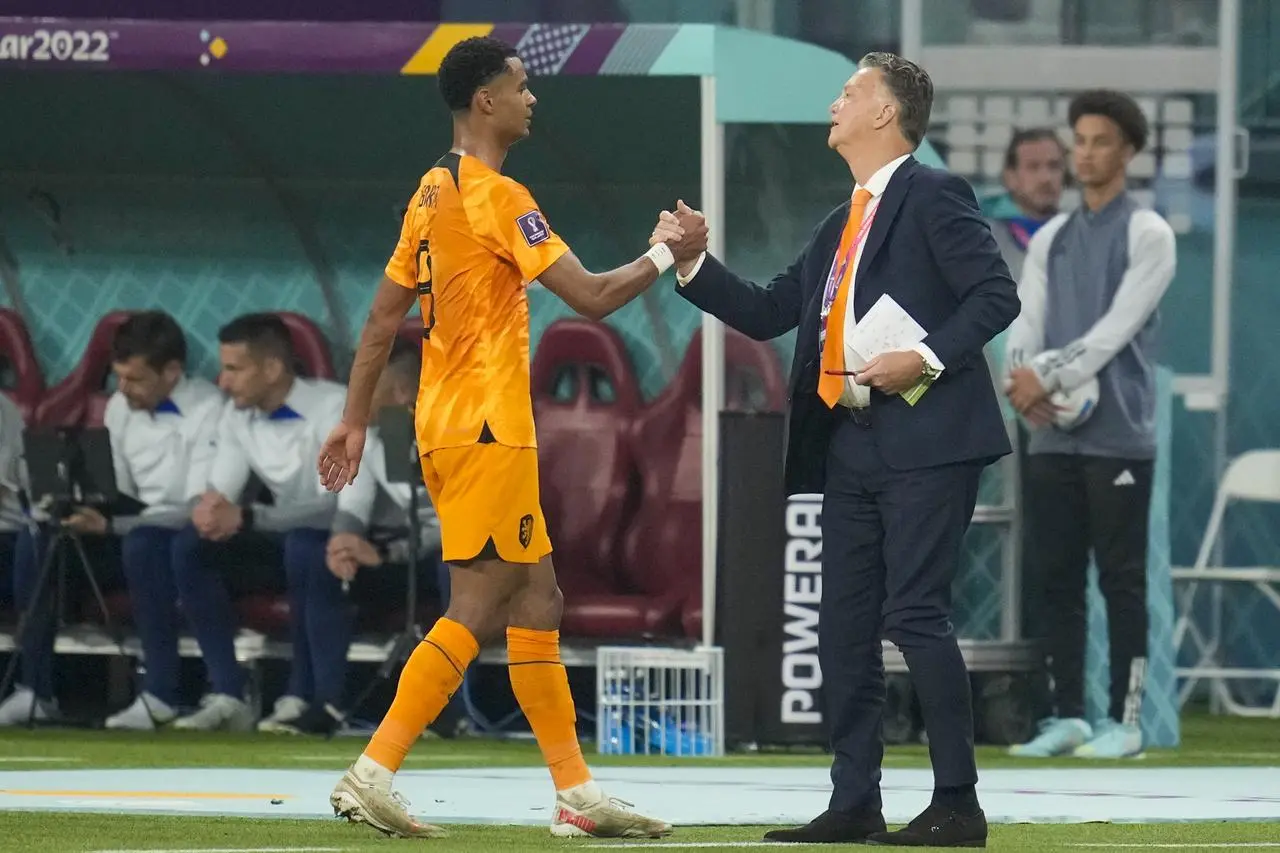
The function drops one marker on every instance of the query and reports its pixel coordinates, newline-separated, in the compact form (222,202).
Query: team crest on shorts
(526,531)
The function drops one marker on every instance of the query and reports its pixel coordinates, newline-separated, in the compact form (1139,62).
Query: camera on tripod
(68,468)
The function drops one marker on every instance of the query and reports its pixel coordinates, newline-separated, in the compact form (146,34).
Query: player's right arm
(340,455)
(396,294)
(390,304)
(597,295)
(519,228)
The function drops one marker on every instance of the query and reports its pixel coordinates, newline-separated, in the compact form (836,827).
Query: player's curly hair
(470,64)
(1117,106)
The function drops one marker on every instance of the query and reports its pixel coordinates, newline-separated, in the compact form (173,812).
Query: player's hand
(1024,390)
(339,460)
(86,520)
(892,372)
(667,230)
(694,242)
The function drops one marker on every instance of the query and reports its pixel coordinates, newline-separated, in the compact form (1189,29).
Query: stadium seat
(80,399)
(310,346)
(754,380)
(585,397)
(663,545)
(20,371)
(411,330)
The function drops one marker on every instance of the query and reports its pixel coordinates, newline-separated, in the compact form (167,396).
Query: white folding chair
(1254,476)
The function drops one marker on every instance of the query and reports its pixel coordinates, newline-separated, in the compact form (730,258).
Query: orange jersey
(472,239)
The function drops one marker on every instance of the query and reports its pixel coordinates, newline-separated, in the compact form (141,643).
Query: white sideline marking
(33,759)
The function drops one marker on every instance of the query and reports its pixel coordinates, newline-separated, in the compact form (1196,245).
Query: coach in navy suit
(899,481)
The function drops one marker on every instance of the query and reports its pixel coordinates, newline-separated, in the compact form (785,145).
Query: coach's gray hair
(911,88)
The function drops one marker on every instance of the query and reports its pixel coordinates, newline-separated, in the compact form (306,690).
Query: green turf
(1207,741)
(54,833)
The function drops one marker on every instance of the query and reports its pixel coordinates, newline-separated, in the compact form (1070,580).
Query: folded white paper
(885,328)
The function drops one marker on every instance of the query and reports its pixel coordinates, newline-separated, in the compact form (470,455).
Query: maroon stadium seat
(24,380)
(309,346)
(411,330)
(80,399)
(586,397)
(664,542)
(754,381)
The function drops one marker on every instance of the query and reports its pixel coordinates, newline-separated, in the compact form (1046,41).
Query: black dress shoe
(937,826)
(832,828)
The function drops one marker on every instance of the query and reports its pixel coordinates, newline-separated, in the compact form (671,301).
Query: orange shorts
(487,493)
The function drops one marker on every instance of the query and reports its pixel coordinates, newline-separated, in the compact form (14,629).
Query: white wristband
(660,254)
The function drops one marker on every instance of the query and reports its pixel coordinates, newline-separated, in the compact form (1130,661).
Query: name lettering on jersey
(428,197)
(534,228)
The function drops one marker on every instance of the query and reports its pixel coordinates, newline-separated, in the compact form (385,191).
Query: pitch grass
(1207,741)
(53,833)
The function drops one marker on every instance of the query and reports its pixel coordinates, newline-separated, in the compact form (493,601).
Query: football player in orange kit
(471,241)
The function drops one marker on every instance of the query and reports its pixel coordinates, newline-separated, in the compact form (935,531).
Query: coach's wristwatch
(927,370)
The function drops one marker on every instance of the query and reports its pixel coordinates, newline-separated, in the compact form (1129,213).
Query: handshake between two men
(685,233)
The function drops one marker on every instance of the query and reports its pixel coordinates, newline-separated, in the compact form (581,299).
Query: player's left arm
(1152,264)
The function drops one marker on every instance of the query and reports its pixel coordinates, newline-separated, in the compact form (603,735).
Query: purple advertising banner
(289,47)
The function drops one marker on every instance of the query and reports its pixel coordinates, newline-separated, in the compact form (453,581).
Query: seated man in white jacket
(162,424)
(273,428)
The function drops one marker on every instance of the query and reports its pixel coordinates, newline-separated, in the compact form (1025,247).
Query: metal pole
(1224,231)
(712,206)
(912,30)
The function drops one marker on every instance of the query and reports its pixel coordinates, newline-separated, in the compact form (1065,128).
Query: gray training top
(1090,288)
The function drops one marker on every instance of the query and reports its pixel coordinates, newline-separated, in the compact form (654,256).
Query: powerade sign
(801,675)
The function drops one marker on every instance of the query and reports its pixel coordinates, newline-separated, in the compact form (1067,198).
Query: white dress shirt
(855,395)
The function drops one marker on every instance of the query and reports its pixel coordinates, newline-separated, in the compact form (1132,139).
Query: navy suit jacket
(931,250)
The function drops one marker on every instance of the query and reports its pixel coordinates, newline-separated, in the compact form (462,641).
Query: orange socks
(431,675)
(541,687)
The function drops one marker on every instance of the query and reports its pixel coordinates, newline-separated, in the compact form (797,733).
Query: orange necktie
(830,382)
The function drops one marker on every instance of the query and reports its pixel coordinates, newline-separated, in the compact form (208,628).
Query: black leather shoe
(832,828)
(937,827)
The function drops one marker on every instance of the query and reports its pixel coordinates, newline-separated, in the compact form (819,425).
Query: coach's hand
(340,456)
(892,372)
(696,236)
